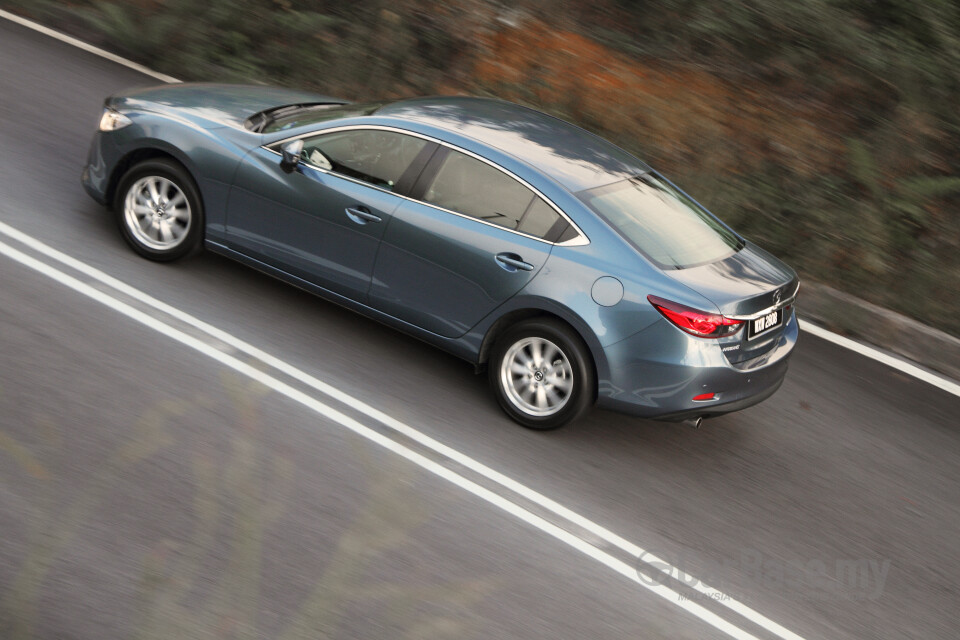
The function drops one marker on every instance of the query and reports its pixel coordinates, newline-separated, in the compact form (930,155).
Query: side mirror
(291,155)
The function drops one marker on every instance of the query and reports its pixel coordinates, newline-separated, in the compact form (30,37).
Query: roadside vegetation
(825,130)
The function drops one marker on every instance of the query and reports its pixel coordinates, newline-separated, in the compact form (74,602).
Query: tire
(159,210)
(542,374)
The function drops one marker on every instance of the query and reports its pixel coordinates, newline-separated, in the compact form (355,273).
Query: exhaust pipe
(694,422)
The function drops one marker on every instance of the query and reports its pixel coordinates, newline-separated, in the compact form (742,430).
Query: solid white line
(89,48)
(437,469)
(399,427)
(904,367)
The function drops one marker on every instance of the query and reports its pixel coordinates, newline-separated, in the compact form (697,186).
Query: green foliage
(147,38)
(864,168)
(241,40)
(344,49)
(926,187)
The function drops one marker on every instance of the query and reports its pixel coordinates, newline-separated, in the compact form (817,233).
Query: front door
(323,221)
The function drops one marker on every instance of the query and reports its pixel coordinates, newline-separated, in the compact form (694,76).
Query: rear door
(323,222)
(473,237)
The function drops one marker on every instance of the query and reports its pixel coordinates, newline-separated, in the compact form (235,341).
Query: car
(568,269)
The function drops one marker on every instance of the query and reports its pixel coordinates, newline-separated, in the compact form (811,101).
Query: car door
(323,221)
(471,238)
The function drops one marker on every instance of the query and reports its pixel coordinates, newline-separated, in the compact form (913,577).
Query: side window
(371,155)
(474,188)
(542,221)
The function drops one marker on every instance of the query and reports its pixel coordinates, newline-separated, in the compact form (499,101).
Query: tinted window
(542,221)
(371,155)
(474,188)
(663,223)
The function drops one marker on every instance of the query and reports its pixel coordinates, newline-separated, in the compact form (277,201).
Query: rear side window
(476,189)
(371,155)
(542,221)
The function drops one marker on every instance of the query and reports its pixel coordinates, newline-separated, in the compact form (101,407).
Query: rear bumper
(758,396)
(657,372)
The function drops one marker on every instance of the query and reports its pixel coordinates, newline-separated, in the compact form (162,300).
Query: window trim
(580,240)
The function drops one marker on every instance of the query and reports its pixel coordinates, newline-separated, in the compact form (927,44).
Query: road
(150,489)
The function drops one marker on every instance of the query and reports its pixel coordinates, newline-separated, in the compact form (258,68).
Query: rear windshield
(663,223)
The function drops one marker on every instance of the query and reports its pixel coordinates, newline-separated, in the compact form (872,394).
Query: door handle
(360,216)
(512,262)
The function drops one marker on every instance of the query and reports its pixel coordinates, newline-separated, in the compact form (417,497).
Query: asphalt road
(147,490)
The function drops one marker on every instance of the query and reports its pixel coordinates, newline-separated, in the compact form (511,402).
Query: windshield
(297,115)
(663,223)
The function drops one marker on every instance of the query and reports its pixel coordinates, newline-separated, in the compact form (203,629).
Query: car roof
(572,156)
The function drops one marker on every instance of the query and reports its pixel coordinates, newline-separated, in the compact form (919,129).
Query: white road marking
(89,48)
(419,437)
(904,367)
(649,558)
(332,414)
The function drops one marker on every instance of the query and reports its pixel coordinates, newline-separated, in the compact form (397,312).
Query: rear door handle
(361,216)
(512,262)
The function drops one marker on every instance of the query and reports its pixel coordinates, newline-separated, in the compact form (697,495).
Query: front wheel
(541,374)
(159,210)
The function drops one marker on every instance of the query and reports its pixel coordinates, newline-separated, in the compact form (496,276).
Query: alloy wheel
(536,376)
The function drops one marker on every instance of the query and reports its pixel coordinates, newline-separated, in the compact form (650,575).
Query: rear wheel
(159,210)
(541,374)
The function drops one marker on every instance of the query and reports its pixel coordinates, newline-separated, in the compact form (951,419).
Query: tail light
(697,323)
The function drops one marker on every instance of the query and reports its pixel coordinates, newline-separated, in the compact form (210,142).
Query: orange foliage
(680,112)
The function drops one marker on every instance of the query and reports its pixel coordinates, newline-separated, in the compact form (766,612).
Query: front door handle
(512,262)
(362,216)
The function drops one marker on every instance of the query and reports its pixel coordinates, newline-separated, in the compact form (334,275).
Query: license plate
(764,323)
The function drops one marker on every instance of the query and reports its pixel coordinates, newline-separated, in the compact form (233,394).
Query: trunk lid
(750,285)
(749,281)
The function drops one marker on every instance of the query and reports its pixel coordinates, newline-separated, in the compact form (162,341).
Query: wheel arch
(511,317)
(141,154)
